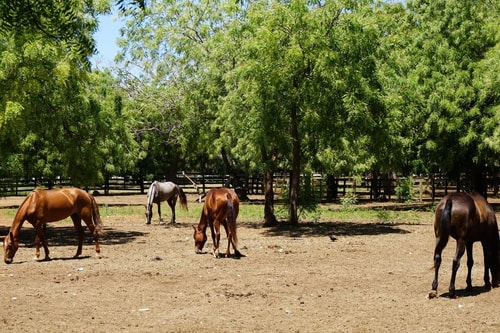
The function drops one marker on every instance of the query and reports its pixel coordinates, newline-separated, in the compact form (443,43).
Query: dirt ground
(372,278)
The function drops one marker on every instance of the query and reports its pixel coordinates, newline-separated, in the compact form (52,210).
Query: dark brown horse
(43,206)
(221,207)
(468,218)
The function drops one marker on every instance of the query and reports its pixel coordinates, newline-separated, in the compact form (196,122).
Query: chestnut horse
(42,206)
(468,218)
(221,207)
(168,192)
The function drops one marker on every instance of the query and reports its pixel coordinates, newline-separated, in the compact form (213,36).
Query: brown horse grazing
(42,206)
(221,207)
(468,218)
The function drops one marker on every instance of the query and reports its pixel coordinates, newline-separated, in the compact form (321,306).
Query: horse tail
(99,227)
(231,221)
(182,198)
(446,219)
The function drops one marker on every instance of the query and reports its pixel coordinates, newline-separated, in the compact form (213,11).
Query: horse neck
(151,195)
(203,222)
(19,218)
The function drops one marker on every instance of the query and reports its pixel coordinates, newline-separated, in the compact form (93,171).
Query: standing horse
(468,218)
(168,192)
(43,206)
(221,207)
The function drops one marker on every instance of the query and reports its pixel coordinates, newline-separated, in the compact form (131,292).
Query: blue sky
(105,38)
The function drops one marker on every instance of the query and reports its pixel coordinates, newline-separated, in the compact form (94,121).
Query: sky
(105,38)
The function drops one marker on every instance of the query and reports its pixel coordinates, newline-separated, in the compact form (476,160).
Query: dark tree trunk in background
(268,159)
(269,217)
(295,173)
(478,180)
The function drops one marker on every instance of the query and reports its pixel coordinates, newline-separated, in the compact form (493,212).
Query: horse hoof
(433,294)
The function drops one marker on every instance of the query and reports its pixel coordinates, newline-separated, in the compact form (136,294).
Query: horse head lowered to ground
(468,218)
(221,207)
(43,206)
(159,192)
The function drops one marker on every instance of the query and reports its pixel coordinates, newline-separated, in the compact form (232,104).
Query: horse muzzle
(8,260)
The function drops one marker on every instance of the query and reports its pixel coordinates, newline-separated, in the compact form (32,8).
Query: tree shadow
(334,229)
(67,236)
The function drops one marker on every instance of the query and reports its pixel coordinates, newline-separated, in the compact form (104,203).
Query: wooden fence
(323,188)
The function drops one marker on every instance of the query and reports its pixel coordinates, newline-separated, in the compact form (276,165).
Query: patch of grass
(253,213)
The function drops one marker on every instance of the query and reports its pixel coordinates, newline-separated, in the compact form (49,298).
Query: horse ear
(194,227)
(11,236)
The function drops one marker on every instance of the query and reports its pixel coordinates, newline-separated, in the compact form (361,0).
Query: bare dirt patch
(372,278)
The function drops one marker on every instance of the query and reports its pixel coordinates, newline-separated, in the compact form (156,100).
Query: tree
(52,122)
(268,86)
(439,46)
(303,85)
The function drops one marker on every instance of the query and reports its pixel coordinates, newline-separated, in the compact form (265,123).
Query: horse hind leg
(229,236)
(231,239)
(171,202)
(456,264)
(470,263)
(488,256)
(77,222)
(215,229)
(159,212)
(441,243)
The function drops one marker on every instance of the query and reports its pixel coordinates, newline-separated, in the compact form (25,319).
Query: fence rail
(323,188)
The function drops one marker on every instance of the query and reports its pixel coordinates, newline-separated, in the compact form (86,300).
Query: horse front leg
(215,228)
(470,263)
(40,237)
(456,264)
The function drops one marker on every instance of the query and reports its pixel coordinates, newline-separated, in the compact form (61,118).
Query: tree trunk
(478,182)
(268,161)
(269,217)
(295,174)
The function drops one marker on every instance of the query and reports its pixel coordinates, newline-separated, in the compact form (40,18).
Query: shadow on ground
(333,229)
(67,236)
(460,293)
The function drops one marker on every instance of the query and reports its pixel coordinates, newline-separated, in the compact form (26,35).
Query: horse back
(159,192)
(486,220)
(485,212)
(216,203)
(54,205)
(462,215)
